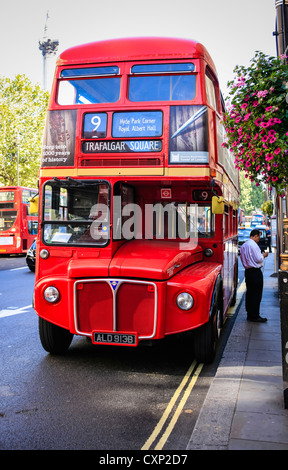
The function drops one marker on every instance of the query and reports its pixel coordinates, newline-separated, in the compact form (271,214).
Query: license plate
(119,338)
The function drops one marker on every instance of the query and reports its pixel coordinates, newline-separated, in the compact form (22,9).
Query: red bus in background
(18,226)
(138,199)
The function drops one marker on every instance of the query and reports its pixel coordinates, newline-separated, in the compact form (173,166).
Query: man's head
(255,235)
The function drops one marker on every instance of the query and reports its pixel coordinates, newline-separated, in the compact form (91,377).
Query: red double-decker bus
(139,200)
(18,225)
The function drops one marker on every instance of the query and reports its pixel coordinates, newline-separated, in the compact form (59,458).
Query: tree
(22,119)
(251,196)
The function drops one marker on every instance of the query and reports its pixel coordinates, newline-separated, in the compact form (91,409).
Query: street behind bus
(93,397)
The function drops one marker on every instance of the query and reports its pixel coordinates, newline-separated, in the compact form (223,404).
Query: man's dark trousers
(254,289)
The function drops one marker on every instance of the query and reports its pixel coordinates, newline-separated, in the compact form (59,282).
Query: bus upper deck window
(162,82)
(89,85)
(211,91)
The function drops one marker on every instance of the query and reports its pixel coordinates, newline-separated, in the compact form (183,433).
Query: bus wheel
(206,337)
(54,339)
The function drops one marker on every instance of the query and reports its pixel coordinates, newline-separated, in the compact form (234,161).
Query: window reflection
(89,91)
(162,88)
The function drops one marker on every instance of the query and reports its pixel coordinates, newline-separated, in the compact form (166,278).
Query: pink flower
(257,122)
(262,94)
(272,140)
(274,178)
(271,122)
(244,106)
(264,138)
(269,108)
(269,157)
(272,133)
(278,150)
(278,121)
(255,103)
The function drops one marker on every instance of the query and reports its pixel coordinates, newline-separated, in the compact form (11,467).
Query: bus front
(129,247)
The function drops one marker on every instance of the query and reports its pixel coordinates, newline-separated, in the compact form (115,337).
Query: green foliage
(257,120)
(251,196)
(22,119)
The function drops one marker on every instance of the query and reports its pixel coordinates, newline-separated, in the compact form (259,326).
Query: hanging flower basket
(256,121)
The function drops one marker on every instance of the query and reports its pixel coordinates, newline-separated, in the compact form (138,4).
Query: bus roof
(150,48)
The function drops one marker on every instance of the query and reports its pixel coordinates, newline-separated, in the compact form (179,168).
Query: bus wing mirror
(34,204)
(217,205)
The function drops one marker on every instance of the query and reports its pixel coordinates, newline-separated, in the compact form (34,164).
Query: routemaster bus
(18,225)
(138,199)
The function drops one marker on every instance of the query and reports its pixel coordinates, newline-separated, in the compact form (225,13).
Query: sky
(231,30)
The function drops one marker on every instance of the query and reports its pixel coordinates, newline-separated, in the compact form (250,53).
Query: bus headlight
(208,252)
(51,294)
(185,301)
(44,254)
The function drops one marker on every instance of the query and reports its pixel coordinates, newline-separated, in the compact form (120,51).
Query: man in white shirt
(252,260)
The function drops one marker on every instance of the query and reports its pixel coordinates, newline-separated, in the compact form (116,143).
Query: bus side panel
(198,280)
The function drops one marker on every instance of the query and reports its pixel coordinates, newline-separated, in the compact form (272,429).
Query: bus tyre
(54,339)
(206,337)
(204,343)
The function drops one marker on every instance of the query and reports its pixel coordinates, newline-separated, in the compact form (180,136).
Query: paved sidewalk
(244,407)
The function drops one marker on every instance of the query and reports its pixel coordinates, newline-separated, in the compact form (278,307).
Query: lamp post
(49,48)
(281,34)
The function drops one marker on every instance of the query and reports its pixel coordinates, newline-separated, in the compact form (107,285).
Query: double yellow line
(190,377)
